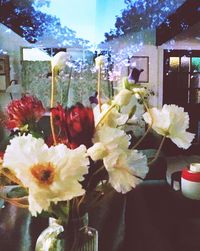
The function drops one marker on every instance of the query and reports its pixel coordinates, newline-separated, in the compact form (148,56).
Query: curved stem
(94,174)
(144,102)
(79,204)
(52,104)
(150,126)
(104,116)
(158,151)
(89,182)
(142,138)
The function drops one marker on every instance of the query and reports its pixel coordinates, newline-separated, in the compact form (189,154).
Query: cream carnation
(122,164)
(125,170)
(171,121)
(123,97)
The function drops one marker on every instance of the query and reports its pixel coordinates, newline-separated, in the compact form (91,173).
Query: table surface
(151,217)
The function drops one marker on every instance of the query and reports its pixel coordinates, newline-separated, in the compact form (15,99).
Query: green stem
(53,90)
(104,116)
(68,86)
(94,174)
(158,151)
(142,138)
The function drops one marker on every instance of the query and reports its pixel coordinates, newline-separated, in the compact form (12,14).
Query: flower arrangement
(89,149)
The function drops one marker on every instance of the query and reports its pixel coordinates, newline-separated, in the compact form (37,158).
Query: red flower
(1,156)
(75,126)
(59,116)
(80,123)
(26,110)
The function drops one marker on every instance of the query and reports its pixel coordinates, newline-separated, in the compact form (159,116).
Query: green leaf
(61,210)
(17,192)
(126,84)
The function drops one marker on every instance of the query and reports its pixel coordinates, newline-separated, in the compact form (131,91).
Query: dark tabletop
(152,217)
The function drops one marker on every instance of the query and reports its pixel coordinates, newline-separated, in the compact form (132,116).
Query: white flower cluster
(53,174)
(50,174)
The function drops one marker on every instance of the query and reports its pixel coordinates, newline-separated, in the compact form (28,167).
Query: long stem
(99,87)
(52,86)
(104,116)
(144,103)
(53,80)
(142,138)
(68,86)
(158,151)
(94,174)
(88,185)
(148,129)
(79,204)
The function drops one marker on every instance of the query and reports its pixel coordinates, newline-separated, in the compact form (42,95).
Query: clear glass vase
(75,236)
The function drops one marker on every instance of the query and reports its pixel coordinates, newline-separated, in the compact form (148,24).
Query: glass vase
(74,236)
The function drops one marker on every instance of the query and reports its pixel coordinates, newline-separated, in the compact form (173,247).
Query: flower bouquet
(64,174)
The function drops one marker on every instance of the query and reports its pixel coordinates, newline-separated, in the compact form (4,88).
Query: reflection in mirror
(33,31)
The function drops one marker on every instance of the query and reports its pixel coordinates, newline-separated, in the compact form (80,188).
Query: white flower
(97,151)
(112,119)
(171,121)
(60,60)
(100,61)
(139,92)
(50,174)
(123,97)
(122,164)
(125,169)
(112,138)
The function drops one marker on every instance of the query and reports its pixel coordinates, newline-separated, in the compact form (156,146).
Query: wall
(138,44)
(10,44)
(143,44)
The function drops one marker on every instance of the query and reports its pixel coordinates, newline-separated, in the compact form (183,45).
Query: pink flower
(114,76)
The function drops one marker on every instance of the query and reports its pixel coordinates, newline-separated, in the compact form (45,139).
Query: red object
(190,176)
(26,110)
(75,126)
(1,155)
(59,116)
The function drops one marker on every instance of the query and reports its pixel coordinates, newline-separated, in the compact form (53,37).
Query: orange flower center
(44,173)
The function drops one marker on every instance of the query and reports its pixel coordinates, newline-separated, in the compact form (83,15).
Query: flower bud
(123,97)
(59,60)
(100,61)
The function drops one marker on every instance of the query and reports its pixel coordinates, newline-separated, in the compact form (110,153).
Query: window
(188,68)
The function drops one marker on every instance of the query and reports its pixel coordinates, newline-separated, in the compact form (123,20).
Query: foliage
(25,18)
(142,14)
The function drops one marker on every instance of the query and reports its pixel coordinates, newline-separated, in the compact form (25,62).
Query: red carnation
(26,110)
(74,126)
(59,116)
(80,123)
